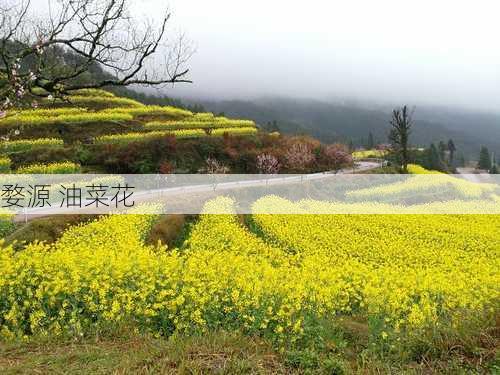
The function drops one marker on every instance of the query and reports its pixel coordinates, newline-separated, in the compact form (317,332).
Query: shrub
(299,156)
(267,164)
(337,156)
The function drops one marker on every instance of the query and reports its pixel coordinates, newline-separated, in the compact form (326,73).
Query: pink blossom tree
(338,156)
(267,164)
(299,156)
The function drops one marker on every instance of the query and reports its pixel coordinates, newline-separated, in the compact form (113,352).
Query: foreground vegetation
(310,289)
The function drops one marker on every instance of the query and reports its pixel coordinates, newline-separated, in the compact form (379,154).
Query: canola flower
(180,134)
(144,137)
(414,270)
(219,124)
(94,102)
(65,167)
(152,111)
(425,182)
(49,112)
(62,118)
(369,154)
(30,144)
(234,131)
(208,116)
(410,272)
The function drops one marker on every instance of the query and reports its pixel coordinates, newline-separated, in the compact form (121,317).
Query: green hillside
(334,122)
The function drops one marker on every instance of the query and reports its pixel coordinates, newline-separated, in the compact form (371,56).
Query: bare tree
(401,124)
(53,55)
(214,166)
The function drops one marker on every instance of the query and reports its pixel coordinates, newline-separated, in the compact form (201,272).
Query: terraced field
(96,116)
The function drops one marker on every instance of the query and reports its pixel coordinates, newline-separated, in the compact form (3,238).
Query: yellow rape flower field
(419,283)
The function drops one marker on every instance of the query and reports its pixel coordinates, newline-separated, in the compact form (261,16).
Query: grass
(381,170)
(168,229)
(127,352)
(44,229)
(217,353)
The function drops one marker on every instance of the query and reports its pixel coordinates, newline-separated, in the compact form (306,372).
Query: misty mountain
(334,122)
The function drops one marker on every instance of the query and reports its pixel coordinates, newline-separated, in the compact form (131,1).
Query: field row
(443,272)
(53,143)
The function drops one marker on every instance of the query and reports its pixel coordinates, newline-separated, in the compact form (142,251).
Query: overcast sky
(432,51)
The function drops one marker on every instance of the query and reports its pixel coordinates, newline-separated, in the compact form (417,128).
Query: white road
(146,196)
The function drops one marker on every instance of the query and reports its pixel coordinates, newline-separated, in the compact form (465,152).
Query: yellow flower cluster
(95,273)
(65,167)
(180,134)
(428,183)
(143,137)
(61,118)
(50,112)
(152,110)
(94,102)
(30,144)
(217,124)
(418,169)
(369,154)
(234,131)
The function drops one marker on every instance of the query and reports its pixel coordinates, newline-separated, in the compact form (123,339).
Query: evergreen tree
(399,136)
(461,160)
(452,149)
(442,151)
(434,158)
(350,145)
(484,159)
(494,169)
(371,142)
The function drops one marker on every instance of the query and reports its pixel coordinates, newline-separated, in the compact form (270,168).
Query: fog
(442,52)
(435,52)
